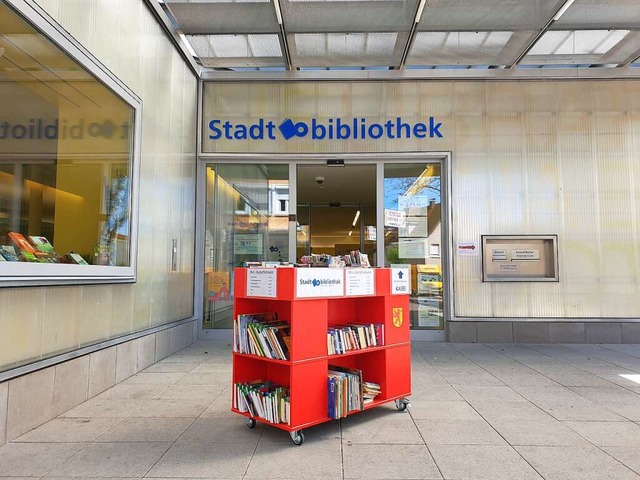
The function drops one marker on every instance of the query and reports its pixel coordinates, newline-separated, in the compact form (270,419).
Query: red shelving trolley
(312,301)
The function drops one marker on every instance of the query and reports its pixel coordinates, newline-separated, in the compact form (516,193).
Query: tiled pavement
(478,412)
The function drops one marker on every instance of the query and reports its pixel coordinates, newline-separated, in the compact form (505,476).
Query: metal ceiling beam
(541,32)
(519,74)
(412,34)
(282,35)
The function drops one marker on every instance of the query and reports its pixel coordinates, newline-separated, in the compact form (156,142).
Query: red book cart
(313,301)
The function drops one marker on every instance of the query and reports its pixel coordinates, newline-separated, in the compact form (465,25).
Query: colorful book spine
(261,335)
(263,400)
(343,339)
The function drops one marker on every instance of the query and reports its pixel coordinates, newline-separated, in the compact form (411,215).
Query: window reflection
(65,156)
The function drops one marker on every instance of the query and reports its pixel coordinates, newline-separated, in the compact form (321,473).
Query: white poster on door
(400,281)
(394,218)
(319,282)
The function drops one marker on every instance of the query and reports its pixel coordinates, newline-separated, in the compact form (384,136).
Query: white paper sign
(360,281)
(509,267)
(262,282)
(413,204)
(394,218)
(400,281)
(412,247)
(498,255)
(533,254)
(319,282)
(467,249)
(427,315)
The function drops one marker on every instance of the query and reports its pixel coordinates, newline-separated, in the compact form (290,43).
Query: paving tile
(609,394)
(628,456)
(629,412)
(154,378)
(472,379)
(69,430)
(213,367)
(324,432)
(438,393)
(511,411)
(380,425)
(526,379)
(126,391)
(209,460)
(35,459)
(191,392)
(481,462)
(585,380)
(172,408)
(389,462)
(271,460)
(113,460)
(105,407)
(474,394)
(226,430)
(171,367)
(181,358)
(135,429)
(427,410)
(220,408)
(575,463)
(580,410)
(458,432)
(608,434)
(206,378)
(547,431)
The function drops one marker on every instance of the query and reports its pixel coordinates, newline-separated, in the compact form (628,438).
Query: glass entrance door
(413,237)
(336,210)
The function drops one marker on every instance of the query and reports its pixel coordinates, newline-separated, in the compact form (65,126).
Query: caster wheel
(402,404)
(297,437)
(251,423)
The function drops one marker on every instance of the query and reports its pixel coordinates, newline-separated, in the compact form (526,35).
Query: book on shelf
(41,244)
(76,258)
(262,334)
(345,338)
(345,391)
(370,391)
(20,242)
(8,252)
(264,400)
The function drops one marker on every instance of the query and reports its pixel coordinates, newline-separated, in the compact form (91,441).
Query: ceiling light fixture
(355,219)
(276,4)
(420,10)
(564,8)
(350,232)
(187,45)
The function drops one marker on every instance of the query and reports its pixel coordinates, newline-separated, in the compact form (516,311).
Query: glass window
(66,157)
(243,223)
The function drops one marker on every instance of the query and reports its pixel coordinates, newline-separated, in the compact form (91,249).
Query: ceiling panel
(487,15)
(214,17)
(254,50)
(584,47)
(467,48)
(345,49)
(338,16)
(600,14)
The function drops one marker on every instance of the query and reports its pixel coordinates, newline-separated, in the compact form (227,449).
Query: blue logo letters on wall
(328,129)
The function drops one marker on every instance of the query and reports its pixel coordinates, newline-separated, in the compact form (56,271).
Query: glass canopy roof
(413,34)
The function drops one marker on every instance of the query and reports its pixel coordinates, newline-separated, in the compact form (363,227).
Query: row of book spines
(260,339)
(273,405)
(354,337)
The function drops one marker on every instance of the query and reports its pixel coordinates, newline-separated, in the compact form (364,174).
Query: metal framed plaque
(526,258)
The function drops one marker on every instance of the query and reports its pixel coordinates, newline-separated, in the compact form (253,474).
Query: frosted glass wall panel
(61,319)
(552,157)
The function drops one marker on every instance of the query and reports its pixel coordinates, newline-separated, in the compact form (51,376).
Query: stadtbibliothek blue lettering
(329,129)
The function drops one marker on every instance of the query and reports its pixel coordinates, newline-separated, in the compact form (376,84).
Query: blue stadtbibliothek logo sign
(328,129)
